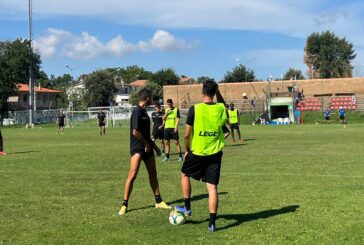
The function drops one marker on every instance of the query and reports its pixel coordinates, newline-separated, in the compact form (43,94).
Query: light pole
(30,106)
(71,68)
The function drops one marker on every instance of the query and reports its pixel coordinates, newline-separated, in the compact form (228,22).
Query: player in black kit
(158,126)
(101,119)
(141,149)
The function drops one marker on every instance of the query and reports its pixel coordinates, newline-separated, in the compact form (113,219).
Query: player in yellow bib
(234,121)
(204,141)
(171,121)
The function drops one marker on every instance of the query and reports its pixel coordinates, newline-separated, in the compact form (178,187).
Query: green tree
(328,56)
(61,83)
(293,73)
(203,79)
(239,74)
(155,90)
(165,77)
(15,59)
(130,73)
(100,89)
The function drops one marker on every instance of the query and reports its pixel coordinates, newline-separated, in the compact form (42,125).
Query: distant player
(327,116)
(2,153)
(204,141)
(60,118)
(158,126)
(342,115)
(101,119)
(141,149)
(171,121)
(234,121)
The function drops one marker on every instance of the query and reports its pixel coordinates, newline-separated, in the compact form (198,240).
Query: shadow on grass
(235,145)
(21,152)
(242,218)
(193,199)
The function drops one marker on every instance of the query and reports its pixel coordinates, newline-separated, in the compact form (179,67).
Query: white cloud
(86,46)
(164,40)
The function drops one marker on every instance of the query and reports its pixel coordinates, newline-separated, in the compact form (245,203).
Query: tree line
(325,54)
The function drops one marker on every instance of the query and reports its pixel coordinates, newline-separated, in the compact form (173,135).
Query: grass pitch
(286,184)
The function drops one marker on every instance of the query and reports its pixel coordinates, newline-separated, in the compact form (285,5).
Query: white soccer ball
(176,218)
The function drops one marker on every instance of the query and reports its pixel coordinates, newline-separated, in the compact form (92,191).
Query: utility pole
(30,106)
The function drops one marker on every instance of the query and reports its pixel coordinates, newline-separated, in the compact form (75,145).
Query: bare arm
(219,97)
(177,123)
(187,137)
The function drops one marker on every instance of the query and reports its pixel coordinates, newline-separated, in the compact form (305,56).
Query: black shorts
(145,155)
(234,126)
(205,168)
(170,135)
(102,124)
(60,124)
(342,117)
(158,134)
(327,118)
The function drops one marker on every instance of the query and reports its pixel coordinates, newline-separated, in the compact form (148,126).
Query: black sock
(163,151)
(125,203)
(167,155)
(212,219)
(180,154)
(187,203)
(158,199)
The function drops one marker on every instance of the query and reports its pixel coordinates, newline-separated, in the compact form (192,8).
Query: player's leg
(100,130)
(153,181)
(232,134)
(2,145)
(239,135)
(179,150)
(62,129)
(135,161)
(213,204)
(163,147)
(167,149)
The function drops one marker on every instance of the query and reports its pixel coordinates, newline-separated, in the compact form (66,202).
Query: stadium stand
(348,103)
(310,104)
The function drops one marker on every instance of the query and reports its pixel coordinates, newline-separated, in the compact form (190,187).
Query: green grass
(285,184)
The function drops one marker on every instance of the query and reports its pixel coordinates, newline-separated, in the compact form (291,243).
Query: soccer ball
(176,218)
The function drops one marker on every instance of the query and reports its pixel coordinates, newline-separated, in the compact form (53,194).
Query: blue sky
(196,38)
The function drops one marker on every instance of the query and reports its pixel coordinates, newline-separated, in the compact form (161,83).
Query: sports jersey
(101,117)
(172,115)
(327,113)
(233,116)
(139,121)
(61,118)
(342,112)
(207,120)
(157,118)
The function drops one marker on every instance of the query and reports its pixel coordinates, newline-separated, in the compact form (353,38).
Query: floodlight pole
(72,85)
(30,106)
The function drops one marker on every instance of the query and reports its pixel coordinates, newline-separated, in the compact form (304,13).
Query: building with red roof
(45,98)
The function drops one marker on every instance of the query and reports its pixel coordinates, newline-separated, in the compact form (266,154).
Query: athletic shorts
(61,125)
(158,134)
(234,126)
(102,124)
(145,155)
(170,135)
(205,168)
(342,117)
(327,118)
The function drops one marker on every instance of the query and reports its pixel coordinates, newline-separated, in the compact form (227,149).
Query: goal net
(85,119)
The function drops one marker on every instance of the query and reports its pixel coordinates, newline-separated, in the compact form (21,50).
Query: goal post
(85,119)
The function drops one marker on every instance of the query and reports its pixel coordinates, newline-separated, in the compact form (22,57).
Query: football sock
(163,152)
(158,199)
(167,155)
(212,219)
(187,203)
(180,154)
(125,203)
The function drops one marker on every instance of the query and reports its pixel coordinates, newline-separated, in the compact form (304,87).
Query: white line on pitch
(176,172)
